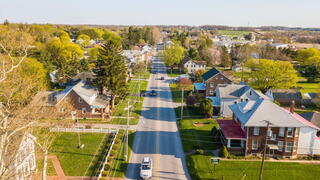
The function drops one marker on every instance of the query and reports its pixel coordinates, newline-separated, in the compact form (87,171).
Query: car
(146,168)
(162,78)
(153,93)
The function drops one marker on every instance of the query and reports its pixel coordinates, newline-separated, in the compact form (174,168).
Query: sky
(291,13)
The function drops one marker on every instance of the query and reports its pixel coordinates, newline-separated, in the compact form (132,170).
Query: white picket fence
(82,130)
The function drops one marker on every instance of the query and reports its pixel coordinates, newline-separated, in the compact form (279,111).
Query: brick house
(289,135)
(84,99)
(212,79)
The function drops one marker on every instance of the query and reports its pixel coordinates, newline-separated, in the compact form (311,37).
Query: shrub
(88,126)
(106,167)
(117,141)
(113,153)
(224,152)
(199,151)
(104,173)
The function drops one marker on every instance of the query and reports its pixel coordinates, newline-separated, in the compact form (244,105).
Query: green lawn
(200,168)
(75,161)
(175,73)
(308,87)
(176,93)
(197,136)
(119,164)
(232,33)
(50,168)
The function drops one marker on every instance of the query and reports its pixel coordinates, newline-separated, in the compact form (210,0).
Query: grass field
(232,33)
(176,93)
(200,168)
(309,87)
(50,168)
(197,136)
(75,161)
(175,73)
(119,165)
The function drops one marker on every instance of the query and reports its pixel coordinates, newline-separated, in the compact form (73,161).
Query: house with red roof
(289,135)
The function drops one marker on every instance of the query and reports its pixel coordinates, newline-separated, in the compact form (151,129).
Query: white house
(229,94)
(192,66)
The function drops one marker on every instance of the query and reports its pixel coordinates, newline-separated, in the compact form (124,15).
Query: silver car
(146,168)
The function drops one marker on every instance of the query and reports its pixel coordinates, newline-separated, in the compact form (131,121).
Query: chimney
(292,107)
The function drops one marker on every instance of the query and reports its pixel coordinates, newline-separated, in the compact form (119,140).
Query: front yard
(200,168)
(79,162)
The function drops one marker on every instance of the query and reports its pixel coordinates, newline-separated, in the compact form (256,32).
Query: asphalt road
(157,135)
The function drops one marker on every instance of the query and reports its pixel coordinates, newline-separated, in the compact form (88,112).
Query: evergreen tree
(225,57)
(111,70)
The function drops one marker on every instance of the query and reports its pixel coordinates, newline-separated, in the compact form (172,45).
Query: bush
(88,126)
(106,167)
(199,151)
(104,173)
(117,141)
(113,153)
(224,152)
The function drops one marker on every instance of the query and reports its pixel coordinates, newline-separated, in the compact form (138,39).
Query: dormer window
(247,100)
(80,100)
(235,102)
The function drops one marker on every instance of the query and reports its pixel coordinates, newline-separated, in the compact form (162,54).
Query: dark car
(162,78)
(153,93)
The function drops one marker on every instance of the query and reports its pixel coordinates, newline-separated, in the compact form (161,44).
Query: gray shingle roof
(252,113)
(210,73)
(232,90)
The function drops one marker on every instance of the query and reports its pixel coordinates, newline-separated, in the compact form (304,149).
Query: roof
(212,72)
(232,90)
(185,59)
(293,94)
(200,62)
(231,129)
(199,86)
(313,117)
(215,101)
(253,114)
(302,120)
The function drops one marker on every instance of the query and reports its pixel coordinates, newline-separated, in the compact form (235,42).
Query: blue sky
(302,13)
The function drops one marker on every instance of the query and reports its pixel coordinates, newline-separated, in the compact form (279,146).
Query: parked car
(146,168)
(153,93)
(162,78)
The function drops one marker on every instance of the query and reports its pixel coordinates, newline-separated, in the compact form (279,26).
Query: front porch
(233,136)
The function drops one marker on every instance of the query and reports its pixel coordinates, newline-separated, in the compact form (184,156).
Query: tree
(107,35)
(206,107)
(193,53)
(93,53)
(266,74)
(173,54)
(93,33)
(84,40)
(111,70)
(225,57)
(139,68)
(304,54)
(309,63)
(198,75)
(224,152)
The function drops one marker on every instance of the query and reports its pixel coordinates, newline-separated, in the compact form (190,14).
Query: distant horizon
(71,24)
(233,13)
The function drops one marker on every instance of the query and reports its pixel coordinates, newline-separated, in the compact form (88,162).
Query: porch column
(242,143)
(229,143)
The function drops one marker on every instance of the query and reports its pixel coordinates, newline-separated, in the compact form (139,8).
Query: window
(247,100)
(289,146)
(61,110)
(80,100)
(281,132)
(212,85)
(273,137)
(280,146)
(254,144)
(84,110)
(211,92)
(221,78)
(241,100)
(256,131)
(290,132)
(235,102)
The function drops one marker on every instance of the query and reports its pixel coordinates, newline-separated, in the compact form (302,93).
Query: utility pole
(264,150)
(127,139)
(181,116)
(139,88)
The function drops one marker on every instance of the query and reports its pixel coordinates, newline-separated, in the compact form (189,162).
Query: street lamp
(76,123)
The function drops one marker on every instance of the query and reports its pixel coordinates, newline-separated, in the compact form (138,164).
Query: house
(192,66)
(313,117)
(212,79)
(279,45)
(285,96)
(84,99)
(289,134)
(228,94)
(24,165)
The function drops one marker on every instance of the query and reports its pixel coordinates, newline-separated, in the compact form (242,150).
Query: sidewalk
(274,160)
